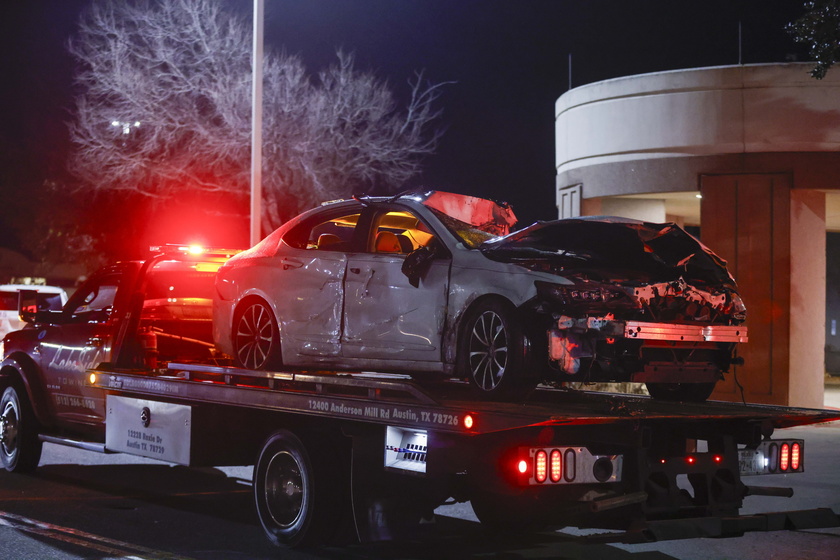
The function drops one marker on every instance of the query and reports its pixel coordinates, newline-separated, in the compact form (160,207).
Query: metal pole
(570,70)
(256,124)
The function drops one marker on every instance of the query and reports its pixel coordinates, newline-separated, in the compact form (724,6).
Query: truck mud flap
(723,527)
(387,503)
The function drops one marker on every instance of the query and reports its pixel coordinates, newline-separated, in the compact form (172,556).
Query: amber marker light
(92,378)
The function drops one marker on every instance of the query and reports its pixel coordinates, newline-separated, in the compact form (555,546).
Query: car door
(80,340)
(385,316)
(304,281)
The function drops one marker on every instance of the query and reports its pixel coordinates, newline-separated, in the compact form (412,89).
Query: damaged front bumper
(572,340)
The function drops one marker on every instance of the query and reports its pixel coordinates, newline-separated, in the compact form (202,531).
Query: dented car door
(385,316)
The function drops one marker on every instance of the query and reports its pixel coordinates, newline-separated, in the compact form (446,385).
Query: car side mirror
(416,264)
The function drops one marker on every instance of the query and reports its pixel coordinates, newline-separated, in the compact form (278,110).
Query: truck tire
(256,338)
(20,448)
(493,352)
(293,494)
(683,392)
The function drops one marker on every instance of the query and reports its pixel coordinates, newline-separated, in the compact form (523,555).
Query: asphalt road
(91,506)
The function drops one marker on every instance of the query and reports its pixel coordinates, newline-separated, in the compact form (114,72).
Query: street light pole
(256,124)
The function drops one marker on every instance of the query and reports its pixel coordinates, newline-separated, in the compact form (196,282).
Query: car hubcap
(9,429)
(254,337)
(488,350)
(284,489)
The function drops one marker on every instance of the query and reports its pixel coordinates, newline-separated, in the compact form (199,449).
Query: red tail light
(784,457)
(555,470)
(541,466)
(795,456)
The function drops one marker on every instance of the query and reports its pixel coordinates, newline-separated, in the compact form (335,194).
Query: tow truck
(129,366)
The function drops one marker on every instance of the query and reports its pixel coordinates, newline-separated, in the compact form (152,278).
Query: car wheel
(20,448)
(494,352)
(296,499)
(256,338)
(683,392)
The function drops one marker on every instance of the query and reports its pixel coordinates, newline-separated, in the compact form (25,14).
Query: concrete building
(750,155)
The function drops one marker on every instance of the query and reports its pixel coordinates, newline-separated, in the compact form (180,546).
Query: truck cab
(132,314)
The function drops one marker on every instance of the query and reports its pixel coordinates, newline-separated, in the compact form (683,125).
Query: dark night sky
(508,59)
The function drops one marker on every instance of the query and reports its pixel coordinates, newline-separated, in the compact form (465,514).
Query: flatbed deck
(399,401)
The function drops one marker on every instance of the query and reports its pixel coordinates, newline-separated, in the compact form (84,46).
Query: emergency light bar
(183,250)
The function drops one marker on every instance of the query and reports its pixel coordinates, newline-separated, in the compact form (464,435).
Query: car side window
(399,232)
(95,301)
(330,234)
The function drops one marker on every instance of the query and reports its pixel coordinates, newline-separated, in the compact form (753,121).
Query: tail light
(773,457)
(565,465)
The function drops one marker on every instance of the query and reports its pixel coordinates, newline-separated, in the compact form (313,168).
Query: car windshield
(471,236)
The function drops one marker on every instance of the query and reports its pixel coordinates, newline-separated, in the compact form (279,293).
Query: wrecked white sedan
(433,283)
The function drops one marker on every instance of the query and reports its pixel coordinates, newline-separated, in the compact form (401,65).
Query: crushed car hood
(650,250)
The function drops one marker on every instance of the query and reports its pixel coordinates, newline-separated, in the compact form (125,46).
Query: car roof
(37,287)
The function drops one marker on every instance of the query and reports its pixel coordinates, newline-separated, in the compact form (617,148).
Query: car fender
(478,278)
(19,366)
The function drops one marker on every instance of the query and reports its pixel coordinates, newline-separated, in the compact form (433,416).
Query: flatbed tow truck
(371,455)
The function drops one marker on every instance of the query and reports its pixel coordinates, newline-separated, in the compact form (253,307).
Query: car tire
(295,497)
(20,448)
(256,338)
(494,352)
(682,392)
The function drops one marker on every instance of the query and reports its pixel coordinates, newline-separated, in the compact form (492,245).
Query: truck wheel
(20,448)
(493,352)
(684,392)
(293,494)
(256,338)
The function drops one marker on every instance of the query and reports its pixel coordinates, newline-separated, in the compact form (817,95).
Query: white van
(49,297)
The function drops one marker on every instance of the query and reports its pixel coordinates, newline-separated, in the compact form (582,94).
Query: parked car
(434,283)
(48,298)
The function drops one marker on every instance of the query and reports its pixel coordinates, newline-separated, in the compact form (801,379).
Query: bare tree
(164,105)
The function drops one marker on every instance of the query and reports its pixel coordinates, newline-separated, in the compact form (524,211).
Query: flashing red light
(784,457)
(555,466)
(195,249)
(795,456)
(541,466)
